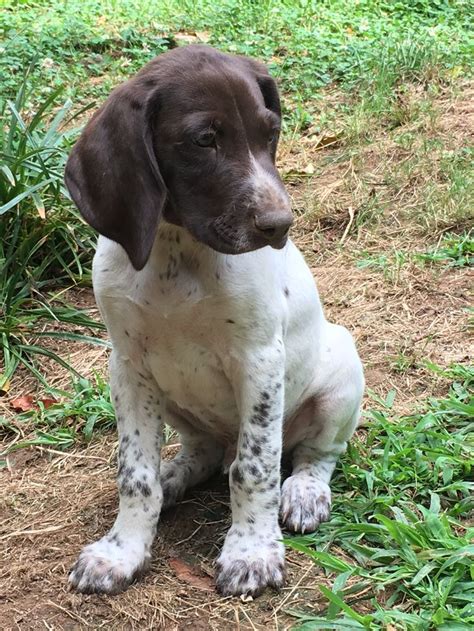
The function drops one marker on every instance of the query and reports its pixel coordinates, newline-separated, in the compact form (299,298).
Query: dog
(214,317)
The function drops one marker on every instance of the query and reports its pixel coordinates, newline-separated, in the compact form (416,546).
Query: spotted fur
(213,331)
(218,352)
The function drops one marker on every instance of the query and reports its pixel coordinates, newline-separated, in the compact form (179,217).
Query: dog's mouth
(279,245)
(221,236)
(233,242)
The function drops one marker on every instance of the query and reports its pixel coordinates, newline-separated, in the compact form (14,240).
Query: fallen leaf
(191,575)
(326,141)
(41,211)
(186,37)
(23,404)
(298,172)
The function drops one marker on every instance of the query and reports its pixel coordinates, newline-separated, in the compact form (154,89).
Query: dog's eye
(206,139)
(273,136)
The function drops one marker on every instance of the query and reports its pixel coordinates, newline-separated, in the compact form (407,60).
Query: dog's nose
(273,226)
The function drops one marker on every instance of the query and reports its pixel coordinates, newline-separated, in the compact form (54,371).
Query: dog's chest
(182,332)
(189,320)
(192,377)
(183,352)
(184,362)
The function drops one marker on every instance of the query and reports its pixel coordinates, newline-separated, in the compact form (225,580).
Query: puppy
(214,317)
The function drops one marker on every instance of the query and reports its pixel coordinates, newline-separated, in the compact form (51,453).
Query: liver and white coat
(214,317)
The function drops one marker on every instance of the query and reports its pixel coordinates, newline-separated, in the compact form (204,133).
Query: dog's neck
(175,248)
(183,270)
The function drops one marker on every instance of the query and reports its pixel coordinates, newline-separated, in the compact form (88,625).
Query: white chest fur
(191,313)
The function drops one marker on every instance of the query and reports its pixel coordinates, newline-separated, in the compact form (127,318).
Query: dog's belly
(193,381)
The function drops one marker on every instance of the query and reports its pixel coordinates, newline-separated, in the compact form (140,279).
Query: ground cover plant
(377,155)
(399,531)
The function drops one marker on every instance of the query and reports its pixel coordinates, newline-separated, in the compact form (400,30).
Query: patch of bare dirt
(53,504)
(342,187)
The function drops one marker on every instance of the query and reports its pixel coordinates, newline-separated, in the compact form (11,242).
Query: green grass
(396,547)
(75,416)
(43,243)
(451,251)
(389,263)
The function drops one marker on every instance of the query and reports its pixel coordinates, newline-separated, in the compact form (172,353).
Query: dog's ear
(112,173)
(268,88)
(265,82)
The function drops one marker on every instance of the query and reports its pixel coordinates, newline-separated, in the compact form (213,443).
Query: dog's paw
(305,503)
(108,566)
(250,563)
(173,482)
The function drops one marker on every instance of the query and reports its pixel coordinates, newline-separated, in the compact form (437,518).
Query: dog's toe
(248,571)
(107,567)
(173,483)
(305,503)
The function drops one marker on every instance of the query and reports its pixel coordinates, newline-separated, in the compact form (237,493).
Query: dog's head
(191,138)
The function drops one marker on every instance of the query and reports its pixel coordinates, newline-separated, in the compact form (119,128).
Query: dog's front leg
(253,555)
(110,564)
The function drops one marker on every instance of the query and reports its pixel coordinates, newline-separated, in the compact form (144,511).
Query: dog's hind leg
(332,416)
(199,458)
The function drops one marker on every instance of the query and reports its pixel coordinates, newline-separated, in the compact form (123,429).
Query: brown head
(191,139)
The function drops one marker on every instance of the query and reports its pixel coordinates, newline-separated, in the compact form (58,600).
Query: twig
(248,618)
(190,536)
(67,455)
(293,589)
(21,533)
(348,227)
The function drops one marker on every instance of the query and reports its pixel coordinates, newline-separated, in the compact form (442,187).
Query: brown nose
(273,226)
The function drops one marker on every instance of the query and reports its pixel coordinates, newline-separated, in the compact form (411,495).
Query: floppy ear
(113,176)
(266,83)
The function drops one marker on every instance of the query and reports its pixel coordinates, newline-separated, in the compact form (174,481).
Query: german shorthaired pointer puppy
(214,317)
